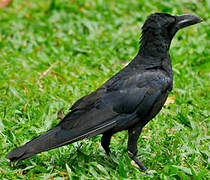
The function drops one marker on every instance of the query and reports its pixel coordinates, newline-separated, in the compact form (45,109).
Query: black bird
(127,101)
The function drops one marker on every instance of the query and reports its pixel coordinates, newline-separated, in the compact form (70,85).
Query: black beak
(186,20)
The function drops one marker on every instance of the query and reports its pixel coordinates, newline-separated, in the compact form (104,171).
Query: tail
(41,143)
(54,138)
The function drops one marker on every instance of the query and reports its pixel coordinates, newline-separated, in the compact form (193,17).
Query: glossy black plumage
(127,101)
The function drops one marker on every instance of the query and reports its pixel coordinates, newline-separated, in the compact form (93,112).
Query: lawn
(54,52)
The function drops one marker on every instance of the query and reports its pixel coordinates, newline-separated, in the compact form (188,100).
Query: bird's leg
(133,135)
(105,141)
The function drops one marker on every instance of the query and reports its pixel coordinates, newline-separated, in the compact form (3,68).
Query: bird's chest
(155,108)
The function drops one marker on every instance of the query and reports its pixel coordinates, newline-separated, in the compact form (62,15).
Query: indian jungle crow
(127,101)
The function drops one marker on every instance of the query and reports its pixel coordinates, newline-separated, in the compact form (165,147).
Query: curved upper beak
(187,20)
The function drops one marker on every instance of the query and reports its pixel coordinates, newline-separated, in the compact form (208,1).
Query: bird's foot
(140,164)
(108,152)
(79,148)
(136,160)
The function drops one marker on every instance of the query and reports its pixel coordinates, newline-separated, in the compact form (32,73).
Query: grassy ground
(81,44)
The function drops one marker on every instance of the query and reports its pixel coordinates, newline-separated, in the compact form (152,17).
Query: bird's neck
(154,43)
(157,48)
(150,62)
(153,52)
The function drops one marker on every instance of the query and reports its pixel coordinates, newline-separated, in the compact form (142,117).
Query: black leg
(133,135)
(105,141)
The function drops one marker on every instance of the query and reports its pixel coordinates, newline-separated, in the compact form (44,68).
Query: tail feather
(54,138)
(41,143)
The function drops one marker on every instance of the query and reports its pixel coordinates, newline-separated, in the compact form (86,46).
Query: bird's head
(160,28)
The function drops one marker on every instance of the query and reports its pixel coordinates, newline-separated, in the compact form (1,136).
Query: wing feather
(97,112)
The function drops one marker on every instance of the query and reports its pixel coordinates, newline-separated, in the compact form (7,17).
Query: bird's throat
(157,48)
(154,43)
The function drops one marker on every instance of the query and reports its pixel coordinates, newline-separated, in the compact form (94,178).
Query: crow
(127,101)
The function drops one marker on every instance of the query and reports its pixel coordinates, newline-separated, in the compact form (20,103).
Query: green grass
(88,41)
